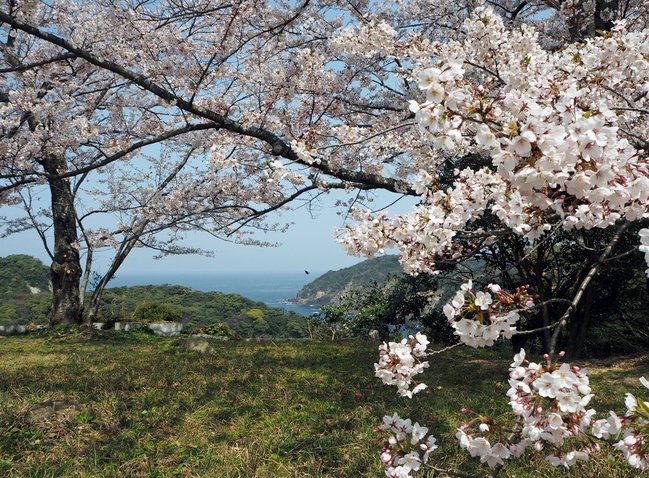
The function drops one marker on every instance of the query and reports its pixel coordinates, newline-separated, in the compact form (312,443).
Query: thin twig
(363,140)
(435,352)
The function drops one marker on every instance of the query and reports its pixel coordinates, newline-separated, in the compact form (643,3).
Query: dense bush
(221,330)
(402,303)
(151,312)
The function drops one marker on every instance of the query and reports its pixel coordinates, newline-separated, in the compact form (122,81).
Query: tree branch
(114,157)
(278,147)
(29,66)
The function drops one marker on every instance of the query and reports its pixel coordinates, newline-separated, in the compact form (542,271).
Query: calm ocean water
(274,289)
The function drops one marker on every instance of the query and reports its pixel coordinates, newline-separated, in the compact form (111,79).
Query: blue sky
(308,245)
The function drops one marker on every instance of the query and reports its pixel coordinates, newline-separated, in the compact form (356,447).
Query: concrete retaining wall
(167,329)
(126,326)
(13,329)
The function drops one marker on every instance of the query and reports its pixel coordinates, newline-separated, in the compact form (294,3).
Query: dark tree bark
(606,12)
(581,325)
(582,26)
(67,307)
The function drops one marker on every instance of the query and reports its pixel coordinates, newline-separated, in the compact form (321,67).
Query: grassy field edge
(138,405)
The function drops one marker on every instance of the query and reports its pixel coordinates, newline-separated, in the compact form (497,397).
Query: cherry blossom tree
(563,123)
(251,105)
(565,146)
(174,116)
(282,93)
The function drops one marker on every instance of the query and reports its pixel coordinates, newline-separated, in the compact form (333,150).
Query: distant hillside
(25,293)
(21,273)
(245,316)
(328,288)
(25,297)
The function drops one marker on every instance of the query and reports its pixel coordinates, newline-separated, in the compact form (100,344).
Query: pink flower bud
(386,457)
(630,440)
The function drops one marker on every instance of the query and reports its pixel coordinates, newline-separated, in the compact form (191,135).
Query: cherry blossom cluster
(428,233)
(480,318)
(550,402)
(558,127)
(400,361)
(100,237)
(365,40)
(550,408)
(632,428)
(371,236)
(644,245)
(484,447)
(402,446)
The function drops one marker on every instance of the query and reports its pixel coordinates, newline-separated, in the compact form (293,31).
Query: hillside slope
(23,274)
(25,298)
(247,317)
(25,292)
(328,288)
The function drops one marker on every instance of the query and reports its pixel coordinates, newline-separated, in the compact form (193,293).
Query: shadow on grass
(250,409)
(149,399)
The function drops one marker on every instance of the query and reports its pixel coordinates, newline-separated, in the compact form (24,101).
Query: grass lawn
(138,405)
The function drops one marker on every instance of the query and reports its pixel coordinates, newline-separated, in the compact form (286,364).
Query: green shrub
(222,330)
(151,312)
(256,314)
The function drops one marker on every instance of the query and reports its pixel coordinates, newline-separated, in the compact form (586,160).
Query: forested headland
(246,317)
(329,287)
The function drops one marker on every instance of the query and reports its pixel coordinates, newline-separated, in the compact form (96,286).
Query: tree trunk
(582,25)
(125,249)
(581,325)
(66,268)
(95,298)
(580,321)
(539,268)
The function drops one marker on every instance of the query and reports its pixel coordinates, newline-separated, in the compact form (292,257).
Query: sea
(274,289)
